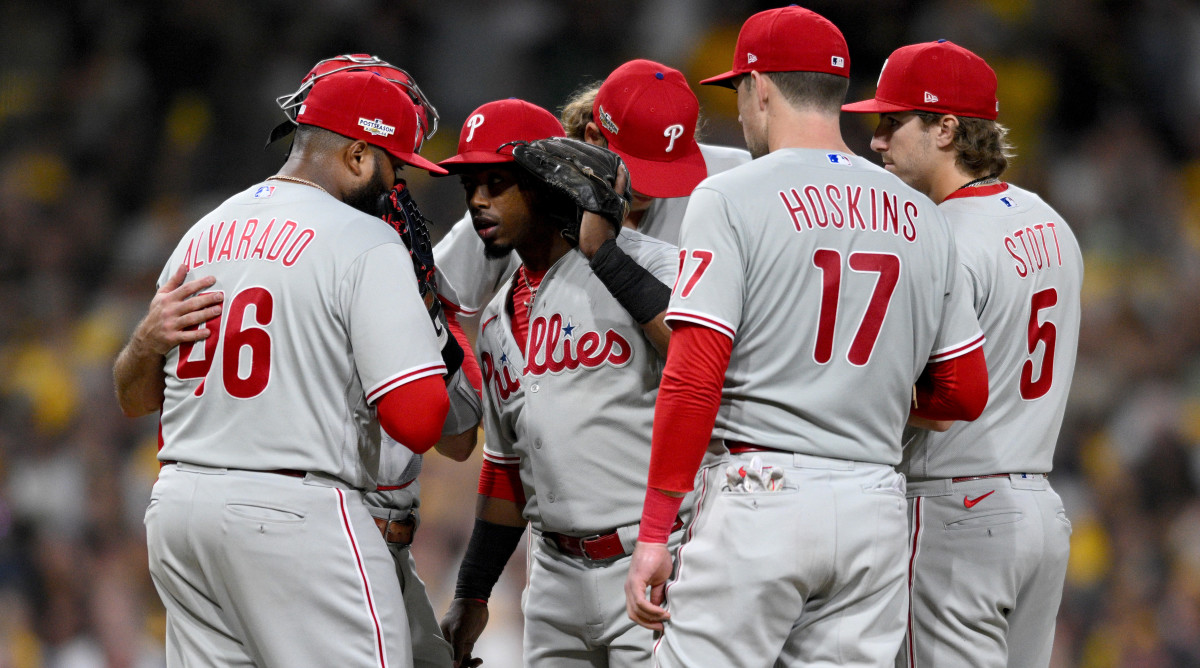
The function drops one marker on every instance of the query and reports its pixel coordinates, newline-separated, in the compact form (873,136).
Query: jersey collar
(978,191)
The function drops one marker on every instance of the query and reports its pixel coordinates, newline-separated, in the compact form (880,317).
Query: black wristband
(631,284)
(452,353)
(490,547)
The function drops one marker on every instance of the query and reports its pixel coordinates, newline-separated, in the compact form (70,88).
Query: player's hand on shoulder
(175,311)
(649,568)
(595,228)
(462,625)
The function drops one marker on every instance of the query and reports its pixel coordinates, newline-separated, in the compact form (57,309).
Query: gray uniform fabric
(1003,541)
(836,283)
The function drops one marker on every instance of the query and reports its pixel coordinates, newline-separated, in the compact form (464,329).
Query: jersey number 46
(235,339)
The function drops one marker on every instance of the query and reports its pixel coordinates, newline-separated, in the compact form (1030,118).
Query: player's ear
(592,135)
(758,88)
(944,131)
(358,158)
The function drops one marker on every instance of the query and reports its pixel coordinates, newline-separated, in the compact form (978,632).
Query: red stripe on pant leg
(912,564)
(362,572)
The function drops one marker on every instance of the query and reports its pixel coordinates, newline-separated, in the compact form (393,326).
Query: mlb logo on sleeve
(838,159)
(264,192)
(1008,202)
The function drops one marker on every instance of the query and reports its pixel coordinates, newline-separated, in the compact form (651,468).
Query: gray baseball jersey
(576,410)
(1024,271)
(468,280)
(321,318)
(989,551)
(834,280)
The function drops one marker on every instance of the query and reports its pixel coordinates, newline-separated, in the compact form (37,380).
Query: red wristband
(658,516)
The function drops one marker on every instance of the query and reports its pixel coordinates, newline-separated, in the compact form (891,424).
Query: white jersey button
(534,388)
(537,444)
(550,497)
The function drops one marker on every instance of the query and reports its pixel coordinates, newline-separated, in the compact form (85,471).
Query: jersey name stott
(249,240)
(1030,251)
(506,385)
(551,351)
(847,207)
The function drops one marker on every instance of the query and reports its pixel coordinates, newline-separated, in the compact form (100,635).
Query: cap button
(658,75)
(941,40)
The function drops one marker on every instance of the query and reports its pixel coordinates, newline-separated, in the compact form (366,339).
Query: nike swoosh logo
(970,503)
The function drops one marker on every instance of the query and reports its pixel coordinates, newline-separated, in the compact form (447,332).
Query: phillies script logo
(506,385)
(554,347)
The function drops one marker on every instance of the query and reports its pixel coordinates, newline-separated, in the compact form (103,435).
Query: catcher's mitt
(585,173)
(398,209)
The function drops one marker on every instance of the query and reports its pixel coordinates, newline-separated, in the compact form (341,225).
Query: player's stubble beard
(368,197)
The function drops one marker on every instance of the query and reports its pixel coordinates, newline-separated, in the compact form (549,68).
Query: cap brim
(721,80)
(675,178)
(475,158)
(417,161)
(874,106)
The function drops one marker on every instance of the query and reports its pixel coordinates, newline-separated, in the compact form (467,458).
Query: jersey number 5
(238,337)
(1046,333)
(829,261)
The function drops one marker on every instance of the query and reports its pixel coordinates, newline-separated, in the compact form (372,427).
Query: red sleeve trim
(404,377)
(681,316)
(501,481)
(956,350)
(470,365)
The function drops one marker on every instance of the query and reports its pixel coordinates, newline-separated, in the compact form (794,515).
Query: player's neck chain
(979,182)
(297,179)
(532,289)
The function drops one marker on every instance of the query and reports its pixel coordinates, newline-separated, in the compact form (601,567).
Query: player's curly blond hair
(982,145)
(577,112)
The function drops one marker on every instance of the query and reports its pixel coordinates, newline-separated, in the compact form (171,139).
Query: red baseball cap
(788,39)
(364,105)
(648,114)
(488,128)
(940,76)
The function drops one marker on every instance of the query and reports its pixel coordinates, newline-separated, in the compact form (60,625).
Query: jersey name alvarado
(851,207)
(249,240)
(554,347)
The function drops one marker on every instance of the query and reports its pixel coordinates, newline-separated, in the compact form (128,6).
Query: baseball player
(815,289)
(395,503)
(989,535)
(270,424)
(571,352)
(649,117)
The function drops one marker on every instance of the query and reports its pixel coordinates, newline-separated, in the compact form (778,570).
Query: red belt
(288,472)
(600,547)
(738,447)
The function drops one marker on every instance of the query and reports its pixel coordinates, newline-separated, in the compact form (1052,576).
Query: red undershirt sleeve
(688,399)
(501,481)
(956,389)
(413,413)
(470,365)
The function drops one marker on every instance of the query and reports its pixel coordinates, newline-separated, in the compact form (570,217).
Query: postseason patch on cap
(377,127)
(838,159)
(607,121)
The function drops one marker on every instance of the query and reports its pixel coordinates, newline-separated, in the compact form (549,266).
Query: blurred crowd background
(122,121)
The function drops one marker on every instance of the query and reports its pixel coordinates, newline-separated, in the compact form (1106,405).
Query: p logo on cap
(489,131)
(647,113)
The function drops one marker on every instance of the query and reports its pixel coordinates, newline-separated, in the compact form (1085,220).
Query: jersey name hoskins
(847,207)
(1030,251)
(554,348)
(250,240)
(506,384)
